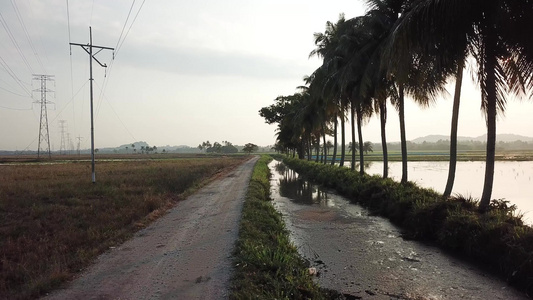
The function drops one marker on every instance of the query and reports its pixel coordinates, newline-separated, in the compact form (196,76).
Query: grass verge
(497,239)
(54,221)
(267,265)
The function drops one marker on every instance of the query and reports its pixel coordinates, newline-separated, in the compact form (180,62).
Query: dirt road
(186,254)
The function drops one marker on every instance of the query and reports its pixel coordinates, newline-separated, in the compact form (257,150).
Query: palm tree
(368,147)
(411,74)
(327,48)
(366,42)
(495,38)
(383,16)
(453,133)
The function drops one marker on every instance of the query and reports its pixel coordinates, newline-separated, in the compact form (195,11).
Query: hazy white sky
(188,71)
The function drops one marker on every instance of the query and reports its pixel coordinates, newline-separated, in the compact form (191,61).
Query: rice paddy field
(54,221)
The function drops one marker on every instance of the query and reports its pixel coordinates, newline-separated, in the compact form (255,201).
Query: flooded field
(513,180)
(365,256)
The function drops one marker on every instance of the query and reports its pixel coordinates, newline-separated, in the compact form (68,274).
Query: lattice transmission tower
(62,131)
(44,136)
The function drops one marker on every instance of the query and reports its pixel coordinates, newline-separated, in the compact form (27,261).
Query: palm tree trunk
(453,133)
(383,120)
(309,153)
(317,150)
(325,146)
(352,116)
(490,84)
(403,139)
(334,158)
(360,133)
(343,141)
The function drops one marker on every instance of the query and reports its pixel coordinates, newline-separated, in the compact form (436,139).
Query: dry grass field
(54,221)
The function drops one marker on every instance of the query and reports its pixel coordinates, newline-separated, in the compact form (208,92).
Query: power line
(118,117)
(71,69)
(125,23)
(10,34)
(134,19)
(13,92)
(13,75)
(23,25)
(108,74)
(10,108)
(71,99)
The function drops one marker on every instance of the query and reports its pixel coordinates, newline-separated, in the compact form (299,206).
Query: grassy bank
(497,239)
(54,221)
(267,265)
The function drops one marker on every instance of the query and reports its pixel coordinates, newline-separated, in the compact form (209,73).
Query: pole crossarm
(87,49)
(88,45)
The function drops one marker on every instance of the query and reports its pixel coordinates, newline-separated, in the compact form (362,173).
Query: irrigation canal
(365,256)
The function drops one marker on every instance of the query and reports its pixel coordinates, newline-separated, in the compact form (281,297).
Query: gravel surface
(186,254)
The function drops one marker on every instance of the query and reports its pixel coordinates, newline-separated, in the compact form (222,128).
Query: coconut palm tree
(411,74)
(328,48)
(495,38)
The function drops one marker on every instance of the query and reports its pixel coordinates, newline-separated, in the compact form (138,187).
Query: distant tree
(133,147)
(143,148)
(206,145)
(201,147)
(127,149)
(229,149)
(352,148)
(96,150)
(368,147)
(329,145)
(249,148)
(216,147)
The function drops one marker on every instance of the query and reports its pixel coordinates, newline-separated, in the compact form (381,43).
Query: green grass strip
(267,264)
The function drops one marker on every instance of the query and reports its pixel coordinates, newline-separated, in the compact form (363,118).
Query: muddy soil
(186,254)
(365,256)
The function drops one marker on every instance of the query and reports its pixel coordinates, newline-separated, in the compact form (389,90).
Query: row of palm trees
(410,48)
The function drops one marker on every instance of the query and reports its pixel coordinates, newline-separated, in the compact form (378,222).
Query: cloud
(206,62)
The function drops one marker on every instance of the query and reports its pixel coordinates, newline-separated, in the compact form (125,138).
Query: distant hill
(482,138)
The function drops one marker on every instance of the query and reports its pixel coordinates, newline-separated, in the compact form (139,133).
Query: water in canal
(365,256)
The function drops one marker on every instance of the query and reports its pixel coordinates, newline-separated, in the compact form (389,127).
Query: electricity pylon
(44,136)
(89,49)
(62,130)
(79,138)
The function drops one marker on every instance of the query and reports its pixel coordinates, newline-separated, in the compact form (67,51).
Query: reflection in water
(298,190)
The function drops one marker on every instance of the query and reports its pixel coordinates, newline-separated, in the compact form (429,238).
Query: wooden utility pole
(89,49)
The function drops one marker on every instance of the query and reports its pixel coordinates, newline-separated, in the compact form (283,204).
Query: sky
(183,72)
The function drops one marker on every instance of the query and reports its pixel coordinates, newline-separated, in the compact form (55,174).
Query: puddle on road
(365,256)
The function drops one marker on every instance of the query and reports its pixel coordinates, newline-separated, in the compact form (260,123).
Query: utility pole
(44,136)
(89,49)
